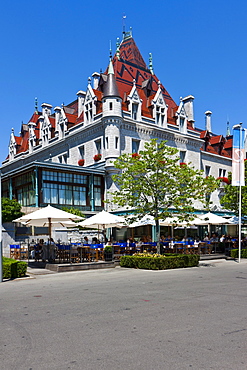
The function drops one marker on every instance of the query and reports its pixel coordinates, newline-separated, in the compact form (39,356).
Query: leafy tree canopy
(230,199)
(11,210)
(74,211)
(153,182)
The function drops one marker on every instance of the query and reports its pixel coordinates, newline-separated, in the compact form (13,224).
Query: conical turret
(110,88)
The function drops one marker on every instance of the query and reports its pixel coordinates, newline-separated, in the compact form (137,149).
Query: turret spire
(110,87)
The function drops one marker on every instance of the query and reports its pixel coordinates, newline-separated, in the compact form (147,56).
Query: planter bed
(13,269)
(159,262)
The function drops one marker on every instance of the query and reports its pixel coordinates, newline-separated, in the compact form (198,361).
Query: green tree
(154,183)
(11,210)
(74,211)
(230,199)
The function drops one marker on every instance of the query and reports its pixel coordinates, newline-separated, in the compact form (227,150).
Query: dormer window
(135,103)
(134,111)
(89,106)
(181,124)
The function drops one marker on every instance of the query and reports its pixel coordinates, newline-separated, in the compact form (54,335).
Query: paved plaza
(192,318)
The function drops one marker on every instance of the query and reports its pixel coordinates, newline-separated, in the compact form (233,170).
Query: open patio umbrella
(103,220)
(210,219)
(49,216)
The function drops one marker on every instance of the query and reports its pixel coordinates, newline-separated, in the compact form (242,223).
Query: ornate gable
(89,104)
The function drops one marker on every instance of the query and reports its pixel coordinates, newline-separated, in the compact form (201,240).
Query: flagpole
(238,172)
(239,221)
(240,193)
(1,232)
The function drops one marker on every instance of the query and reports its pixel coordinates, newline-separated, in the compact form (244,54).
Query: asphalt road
(193,318)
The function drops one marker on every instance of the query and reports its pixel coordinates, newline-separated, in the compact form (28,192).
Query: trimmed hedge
(234,253)
(159,262)
(13,269)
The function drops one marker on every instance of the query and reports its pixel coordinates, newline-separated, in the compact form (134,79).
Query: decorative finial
(117,51)
(89,80)
(134,82)
(228,133)
(151,63)
(124,17)
(36,105)
(12,130)
(110,51)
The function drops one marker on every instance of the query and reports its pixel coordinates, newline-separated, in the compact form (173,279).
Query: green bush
(13,269)
(158,262)
(108,249)
(234,253)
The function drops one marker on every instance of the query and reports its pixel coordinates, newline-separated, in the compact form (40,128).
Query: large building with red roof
(63,155)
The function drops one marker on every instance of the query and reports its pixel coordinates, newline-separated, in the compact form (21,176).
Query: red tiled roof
(216,139)
(128,67)
(228,144)
(203,134)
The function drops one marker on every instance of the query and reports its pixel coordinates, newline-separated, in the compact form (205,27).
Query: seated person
(85,240)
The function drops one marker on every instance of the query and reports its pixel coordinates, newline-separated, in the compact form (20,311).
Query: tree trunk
(157,226)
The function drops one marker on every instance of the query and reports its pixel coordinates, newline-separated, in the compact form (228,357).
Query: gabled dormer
(45,125)
(159,108)
(12,146)
(61,122)
(89,106)
(31,136)
(182,117)
(135,103)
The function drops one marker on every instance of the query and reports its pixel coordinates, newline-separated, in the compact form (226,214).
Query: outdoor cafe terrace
(87,252)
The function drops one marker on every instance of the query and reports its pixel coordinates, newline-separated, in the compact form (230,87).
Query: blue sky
(49,48)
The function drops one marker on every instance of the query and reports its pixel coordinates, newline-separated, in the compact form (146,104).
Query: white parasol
(103,220)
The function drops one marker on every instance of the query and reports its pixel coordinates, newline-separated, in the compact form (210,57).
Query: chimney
(208,114)
(189,109)
(95,76)
(81,97)
(46,109)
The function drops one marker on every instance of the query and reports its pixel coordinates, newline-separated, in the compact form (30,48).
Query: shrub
(108,249)
(13,269)
(234,253)
(159,262)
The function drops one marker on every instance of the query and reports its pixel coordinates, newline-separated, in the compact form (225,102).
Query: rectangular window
(181,123)
(97,180)
(106,143)
(134,110)
(97,197)
(222,172)
(207,170)
(135,146)
(116,142)
(182,155)
(98,146)
(63,158)
(81,151)
(79,196)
